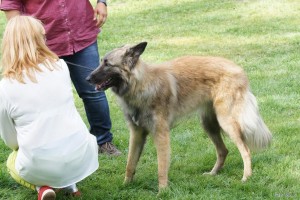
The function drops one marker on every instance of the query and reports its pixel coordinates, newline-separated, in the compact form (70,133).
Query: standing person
(52,147)
(72,27)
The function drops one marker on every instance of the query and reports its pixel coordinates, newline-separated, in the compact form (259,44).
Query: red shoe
(72,192)
(46,193)
(76,194)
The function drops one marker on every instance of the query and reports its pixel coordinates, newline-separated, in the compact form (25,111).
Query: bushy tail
(255,132)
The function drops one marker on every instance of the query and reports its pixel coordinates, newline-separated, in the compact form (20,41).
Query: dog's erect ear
(133,53)
(138,49)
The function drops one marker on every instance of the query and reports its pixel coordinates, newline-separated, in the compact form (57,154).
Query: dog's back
(200,81)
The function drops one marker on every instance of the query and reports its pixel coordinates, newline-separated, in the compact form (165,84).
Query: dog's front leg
(162,143)
(136,145)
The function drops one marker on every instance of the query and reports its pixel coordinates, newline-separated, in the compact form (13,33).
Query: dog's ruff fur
(155,96)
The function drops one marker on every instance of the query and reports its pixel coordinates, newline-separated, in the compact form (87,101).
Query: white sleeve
(66,69)
(8,132)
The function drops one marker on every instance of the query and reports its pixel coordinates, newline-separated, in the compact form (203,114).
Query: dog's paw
(127,180)
(209,173)
(244,179)
(163,192)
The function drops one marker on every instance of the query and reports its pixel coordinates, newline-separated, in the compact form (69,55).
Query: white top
(55,146)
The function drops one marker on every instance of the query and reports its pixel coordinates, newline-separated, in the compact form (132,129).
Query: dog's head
(115,68)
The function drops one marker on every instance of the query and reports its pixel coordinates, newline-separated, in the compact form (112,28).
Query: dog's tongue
(97,87)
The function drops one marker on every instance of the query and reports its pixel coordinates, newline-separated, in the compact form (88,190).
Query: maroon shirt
(69,24)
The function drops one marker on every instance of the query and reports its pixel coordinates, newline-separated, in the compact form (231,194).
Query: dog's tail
(255,132)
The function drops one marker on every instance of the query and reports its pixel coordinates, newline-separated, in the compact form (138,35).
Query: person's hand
(11,13)
(100,14)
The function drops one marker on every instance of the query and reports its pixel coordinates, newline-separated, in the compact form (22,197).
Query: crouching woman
(52,147)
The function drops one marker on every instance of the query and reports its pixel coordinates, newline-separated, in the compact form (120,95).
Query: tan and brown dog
(153,97)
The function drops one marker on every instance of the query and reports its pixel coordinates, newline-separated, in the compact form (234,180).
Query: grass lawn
(263,36)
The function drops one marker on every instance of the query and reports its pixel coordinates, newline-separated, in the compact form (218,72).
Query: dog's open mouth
(104,85)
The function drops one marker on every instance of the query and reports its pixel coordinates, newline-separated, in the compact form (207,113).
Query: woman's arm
(8,132)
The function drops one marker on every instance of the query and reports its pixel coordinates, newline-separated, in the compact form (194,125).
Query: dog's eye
(106,63)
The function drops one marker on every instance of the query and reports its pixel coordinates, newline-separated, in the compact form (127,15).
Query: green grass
(263,36)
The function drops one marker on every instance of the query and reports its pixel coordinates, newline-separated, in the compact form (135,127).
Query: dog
(154,97)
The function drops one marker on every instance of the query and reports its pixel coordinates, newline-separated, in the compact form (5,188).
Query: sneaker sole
(49,195)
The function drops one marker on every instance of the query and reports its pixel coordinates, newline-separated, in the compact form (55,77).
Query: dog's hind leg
(211,125)
(136,146)
(231,126)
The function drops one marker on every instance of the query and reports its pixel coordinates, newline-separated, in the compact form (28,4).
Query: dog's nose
(88,78)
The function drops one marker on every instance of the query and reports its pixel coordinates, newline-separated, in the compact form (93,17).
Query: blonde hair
(24,48)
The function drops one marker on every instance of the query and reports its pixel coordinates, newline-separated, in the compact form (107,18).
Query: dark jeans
(95,102)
